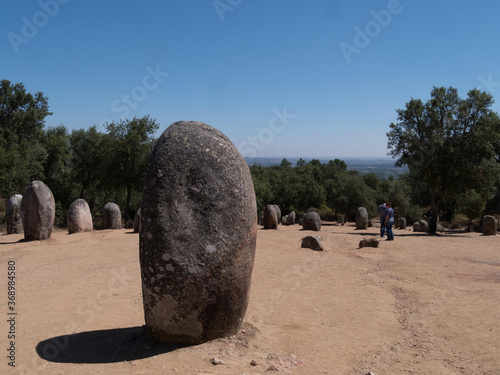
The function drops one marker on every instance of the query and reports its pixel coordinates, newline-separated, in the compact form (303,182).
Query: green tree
(472,203)
(446,142)
(22,118)
(87,162)
(131,142)
(57,168)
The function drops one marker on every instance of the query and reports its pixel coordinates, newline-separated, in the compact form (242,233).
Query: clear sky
(316,78)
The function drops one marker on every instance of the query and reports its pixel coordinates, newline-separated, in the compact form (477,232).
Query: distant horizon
(321,157)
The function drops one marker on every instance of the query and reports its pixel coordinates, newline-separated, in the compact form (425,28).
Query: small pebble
(254,363)
(216,361)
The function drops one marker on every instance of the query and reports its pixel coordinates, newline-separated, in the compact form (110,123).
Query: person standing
(381,210)
(389,221)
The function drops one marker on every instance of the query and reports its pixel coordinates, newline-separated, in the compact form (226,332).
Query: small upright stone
(270,217)
(38,211)
(489,225)
(311,221)
(290,218)
(278,213)
(401,223)
(13,214)
(198,236)
(111,216)
(361,218)
(137,221)
(79,217)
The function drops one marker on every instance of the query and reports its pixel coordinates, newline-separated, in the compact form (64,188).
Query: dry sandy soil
(419,305)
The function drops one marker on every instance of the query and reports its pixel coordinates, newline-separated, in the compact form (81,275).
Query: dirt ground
(419,305)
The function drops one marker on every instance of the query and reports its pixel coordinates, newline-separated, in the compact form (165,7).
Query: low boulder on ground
(370,242)
(312,242)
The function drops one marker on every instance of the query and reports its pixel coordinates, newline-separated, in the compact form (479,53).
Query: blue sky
(316,78)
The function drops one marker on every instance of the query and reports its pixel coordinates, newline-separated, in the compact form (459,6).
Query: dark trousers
(390,235)
(382,226)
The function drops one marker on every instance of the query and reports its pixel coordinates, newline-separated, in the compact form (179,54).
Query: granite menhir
(13,214)
(38,211)
(198,236)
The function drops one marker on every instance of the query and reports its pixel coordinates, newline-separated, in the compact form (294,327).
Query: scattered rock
(272,368)
(79,217)
(217,361)
(489,225)
(370,242)
(198,236)
(253,363)
(289,219)
(421,226)
(13,214)
(311,221)
(361,218)
(38,210)
(111,216)
(137,221)
(312,242)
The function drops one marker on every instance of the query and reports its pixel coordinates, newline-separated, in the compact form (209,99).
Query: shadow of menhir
(103,346)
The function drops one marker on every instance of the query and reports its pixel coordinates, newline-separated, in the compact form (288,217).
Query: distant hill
(381,167)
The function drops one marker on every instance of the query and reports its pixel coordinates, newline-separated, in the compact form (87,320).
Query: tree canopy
(448,143)
(22,118)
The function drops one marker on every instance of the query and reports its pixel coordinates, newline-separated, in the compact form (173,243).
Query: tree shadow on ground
(412,234)
(102,346)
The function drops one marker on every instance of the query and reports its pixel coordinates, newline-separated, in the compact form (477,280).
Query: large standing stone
(111,216)
(198,236)
(13,214)
(361,218)
(79,217)
(137,221)
(38,211)
(489,225)
(270,217)
(311,221)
